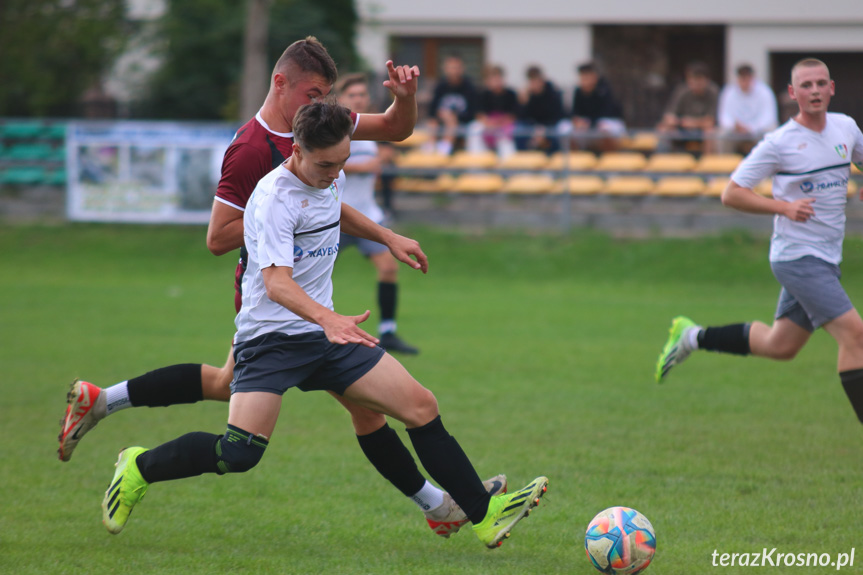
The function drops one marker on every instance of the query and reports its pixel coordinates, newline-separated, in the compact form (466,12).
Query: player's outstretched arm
(398,122)
(745,200)
(404,249)
(340,329)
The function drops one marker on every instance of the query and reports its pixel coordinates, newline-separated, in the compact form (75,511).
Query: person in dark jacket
(594,108)
(541,111)
(453,104)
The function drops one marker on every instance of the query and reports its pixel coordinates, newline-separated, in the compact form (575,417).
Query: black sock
(732,338)
(186,456)
(392,459)
(167,386)
(852,382)
(445,461)
(387,296)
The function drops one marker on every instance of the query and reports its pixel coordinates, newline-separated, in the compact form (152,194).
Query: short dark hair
(745,70)
(321,125)
(351,80)
(310,56)
(586,68)
(493,70)
(534,72)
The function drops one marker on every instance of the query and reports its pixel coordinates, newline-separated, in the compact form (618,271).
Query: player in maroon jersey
(304,73)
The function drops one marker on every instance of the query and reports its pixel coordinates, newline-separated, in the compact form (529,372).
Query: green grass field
(541,352)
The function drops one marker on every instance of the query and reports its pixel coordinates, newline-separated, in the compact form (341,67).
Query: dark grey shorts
(811,293)
(366,247)
(276,362)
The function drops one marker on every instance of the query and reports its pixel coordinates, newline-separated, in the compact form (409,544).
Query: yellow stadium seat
(579,185)
(716,186)
(621,162)
(478,183)
(854,169)
(473,160)
(670,163)
(528,160)
(418,159)
(854,187)
(529,184)
(640,142)
(575,161)
(717,163)
(628,186)
(421,185)
(679,186)
(415,140)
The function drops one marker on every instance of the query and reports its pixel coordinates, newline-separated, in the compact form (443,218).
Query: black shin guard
(167,386)
(387,297)
(852,382)
(727,339)
(443,458)
(385,450)
(186,456)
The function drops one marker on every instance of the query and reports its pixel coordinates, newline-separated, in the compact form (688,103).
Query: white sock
(428,498)
(692,337)
(117,397)
(387,326)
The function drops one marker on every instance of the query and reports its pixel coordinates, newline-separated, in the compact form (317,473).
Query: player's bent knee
(239,451)
(425,409)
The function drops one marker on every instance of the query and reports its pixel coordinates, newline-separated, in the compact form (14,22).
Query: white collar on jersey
(267,128)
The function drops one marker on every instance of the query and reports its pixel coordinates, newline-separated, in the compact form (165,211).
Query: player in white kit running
(809,159)
(362,170)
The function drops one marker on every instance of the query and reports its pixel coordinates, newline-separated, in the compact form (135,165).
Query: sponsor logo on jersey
(304,203)
(842,150)
(334,190)
(809,187)
(315,252)
(324,251)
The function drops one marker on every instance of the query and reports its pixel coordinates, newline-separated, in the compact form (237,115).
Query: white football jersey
(360,188)
(288,223)
(807,164)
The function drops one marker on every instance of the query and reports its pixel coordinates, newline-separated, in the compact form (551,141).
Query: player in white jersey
(809,158)
(362,170)
(289,335)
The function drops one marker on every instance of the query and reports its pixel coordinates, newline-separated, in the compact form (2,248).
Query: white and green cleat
(504,511)
(127,489)
(677,348)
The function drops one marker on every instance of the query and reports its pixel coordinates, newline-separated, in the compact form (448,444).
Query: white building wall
(555,49)
(612,11)
(557,33)
(753,43)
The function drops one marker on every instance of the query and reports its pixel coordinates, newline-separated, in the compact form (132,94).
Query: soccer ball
(620,541)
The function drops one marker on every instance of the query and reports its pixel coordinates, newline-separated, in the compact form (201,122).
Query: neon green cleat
(504,511)
(677,347)
(127,489)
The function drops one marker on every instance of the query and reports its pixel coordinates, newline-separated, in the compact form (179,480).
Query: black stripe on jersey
(275,155)
(813,171)
(322,229)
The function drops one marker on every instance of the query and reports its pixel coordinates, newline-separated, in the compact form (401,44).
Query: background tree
(52,51)
(203,52)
